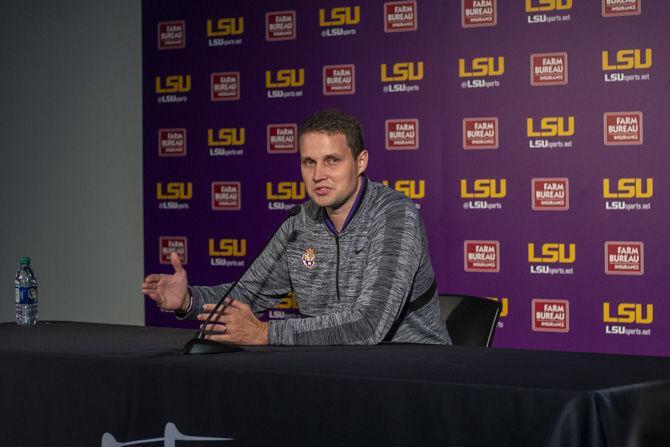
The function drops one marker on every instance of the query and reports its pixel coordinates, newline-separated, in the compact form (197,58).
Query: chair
(470,320)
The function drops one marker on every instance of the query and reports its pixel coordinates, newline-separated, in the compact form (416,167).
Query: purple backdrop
(529,135)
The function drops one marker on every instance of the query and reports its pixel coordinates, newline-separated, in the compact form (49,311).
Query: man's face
(329,170)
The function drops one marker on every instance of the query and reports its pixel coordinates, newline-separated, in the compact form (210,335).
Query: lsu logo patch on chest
(309,258)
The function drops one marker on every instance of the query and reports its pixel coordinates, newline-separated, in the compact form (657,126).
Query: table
(67,384)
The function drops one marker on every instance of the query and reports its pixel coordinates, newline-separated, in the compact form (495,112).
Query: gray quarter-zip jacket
(360,286)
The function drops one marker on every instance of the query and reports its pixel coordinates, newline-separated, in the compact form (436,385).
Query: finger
(239,305)
(221,338)
(151,294)
(216,328)
(176,262)
(152,278)
(217,317)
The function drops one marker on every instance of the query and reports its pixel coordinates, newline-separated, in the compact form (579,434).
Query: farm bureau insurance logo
(284,83)
(548,69)
(284,195)
(616,8)
(225,86)
(168,244)
(226,141)
(623,61)
(401,77)
(483,188)
(548,11)
(225,31)
(550,194)
(414,189)
(226,196)
(479,71)
(480,133)
(282,138)
(280,25)
(227,252)
(559,128)
(475,13)
(636,189)
(481,256)
(400,16)
(551,258)
(550,315)
(630,319)
(174,195)
(172,88)
(622,129)
(339,80)
(171,35)
(172,142)
(624,258)
(402,134)
(340,21)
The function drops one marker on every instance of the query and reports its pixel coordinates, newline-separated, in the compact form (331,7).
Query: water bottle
(25,285)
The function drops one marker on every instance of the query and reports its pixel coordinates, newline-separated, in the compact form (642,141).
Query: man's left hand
(236,323)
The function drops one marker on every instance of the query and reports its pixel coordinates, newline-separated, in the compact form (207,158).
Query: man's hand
(236,323)
(170,292)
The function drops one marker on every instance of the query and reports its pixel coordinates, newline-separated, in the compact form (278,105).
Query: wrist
(187,303)
(264,337)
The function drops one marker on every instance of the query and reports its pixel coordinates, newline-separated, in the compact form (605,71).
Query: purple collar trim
(352,211)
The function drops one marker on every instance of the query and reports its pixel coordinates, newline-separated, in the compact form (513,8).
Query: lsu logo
(228,26)
(228,247)
(552,252)
(226,196)
(624,258)
(550,315)
(505,305)
(481,66)
(225,137)
(629,188)
(411,188)
(171,35)
(280,25)
(481,256)
(344,15)
(616,8)
(622,128)
(479,13)
(629,313)
(174,191)
(285,191)
(548,5)
(400,16)
(484,188)
(173,84)
(282,138)
(285,78)
(627,60)
(403,71)
(171,142)
(551,126)
(168,244)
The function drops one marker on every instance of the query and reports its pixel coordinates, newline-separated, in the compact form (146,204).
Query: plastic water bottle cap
(25,260)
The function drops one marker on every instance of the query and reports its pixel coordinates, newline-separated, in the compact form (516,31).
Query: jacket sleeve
(395,249)
(264,283)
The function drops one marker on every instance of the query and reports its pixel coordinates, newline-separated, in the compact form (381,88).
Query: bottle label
(26,295)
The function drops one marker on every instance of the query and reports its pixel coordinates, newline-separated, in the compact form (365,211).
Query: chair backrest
(470,320)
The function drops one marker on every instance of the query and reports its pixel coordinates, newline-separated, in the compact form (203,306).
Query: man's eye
(331,161)
(308,162)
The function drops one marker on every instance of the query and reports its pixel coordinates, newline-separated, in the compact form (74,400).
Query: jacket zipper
(337,267)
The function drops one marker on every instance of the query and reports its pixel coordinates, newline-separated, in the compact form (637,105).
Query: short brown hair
(332,122)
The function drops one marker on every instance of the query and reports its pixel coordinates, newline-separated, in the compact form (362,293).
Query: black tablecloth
(69,383)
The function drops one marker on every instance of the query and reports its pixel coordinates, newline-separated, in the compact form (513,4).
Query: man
(356,255)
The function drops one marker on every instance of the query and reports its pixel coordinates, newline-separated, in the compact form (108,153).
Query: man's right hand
(170,292)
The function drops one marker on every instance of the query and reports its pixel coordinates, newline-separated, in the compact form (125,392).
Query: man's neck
(339,216)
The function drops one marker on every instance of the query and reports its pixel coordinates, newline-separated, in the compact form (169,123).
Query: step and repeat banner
(531,136)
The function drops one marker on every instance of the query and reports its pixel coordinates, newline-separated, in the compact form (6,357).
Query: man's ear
(362,161)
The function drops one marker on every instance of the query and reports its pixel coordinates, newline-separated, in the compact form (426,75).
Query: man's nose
(319,172)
